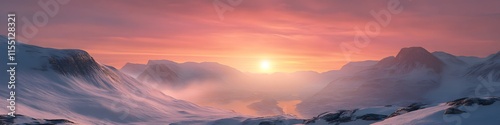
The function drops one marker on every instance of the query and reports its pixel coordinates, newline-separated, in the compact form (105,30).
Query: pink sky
(293,35)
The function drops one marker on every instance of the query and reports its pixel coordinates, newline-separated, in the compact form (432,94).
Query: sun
(265,65)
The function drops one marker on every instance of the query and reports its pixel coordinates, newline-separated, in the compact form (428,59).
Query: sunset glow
(300,35)
(250,62)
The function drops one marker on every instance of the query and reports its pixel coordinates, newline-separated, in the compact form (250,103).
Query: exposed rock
(133,69)
(471,101)
(372,117)
(468,102)
(266,123)
(339,117)
(410,108)
(159,73)
(453,110)
(78,63)
(8,120)
(268,120)
(342,116)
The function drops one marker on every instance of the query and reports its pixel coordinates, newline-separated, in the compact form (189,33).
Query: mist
(251,93)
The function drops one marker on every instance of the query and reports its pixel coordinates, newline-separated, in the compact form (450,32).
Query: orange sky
(292,35)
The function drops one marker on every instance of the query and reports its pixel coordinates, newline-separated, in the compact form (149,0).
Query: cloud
(290,31)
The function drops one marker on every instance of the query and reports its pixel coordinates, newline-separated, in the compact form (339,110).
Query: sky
(285,35)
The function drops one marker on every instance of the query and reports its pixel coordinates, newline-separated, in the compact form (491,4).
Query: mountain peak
(151,62)
(411,57)
(412,52)
(494,57)
(448,58)
(133,69)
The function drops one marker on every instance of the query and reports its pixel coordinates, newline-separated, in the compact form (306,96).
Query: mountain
(70,84)
(448,59)
(413,75)
(466,111)
(169,74)
(133,69)
(67,86)
(357,66)
(412,57)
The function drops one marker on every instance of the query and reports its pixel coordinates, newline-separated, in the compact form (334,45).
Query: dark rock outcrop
(8,120)
(74,62)
(489,68)
(160,73)
(471,101)
(410,108)
(372,117)
(453,110)
(468,102)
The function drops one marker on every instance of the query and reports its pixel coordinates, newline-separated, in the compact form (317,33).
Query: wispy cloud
(306,31)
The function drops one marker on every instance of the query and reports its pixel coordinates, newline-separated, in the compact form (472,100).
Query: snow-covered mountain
(133,69)
(70,84)
(414,75)
(463,111)
(169,74)
(66,86)
(26,120)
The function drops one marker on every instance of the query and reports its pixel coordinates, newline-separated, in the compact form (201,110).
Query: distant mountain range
(414,75)
(237,85)
(177,75)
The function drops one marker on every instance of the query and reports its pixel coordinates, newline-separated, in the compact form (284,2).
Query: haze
(292,35)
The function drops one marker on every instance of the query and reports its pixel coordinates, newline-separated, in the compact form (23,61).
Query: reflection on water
(289,107)
(240,106)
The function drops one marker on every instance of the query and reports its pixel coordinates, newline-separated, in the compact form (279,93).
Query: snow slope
(463,111)
(396,80)
(133,69)
(171,75)
(473,112)
(70,84)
